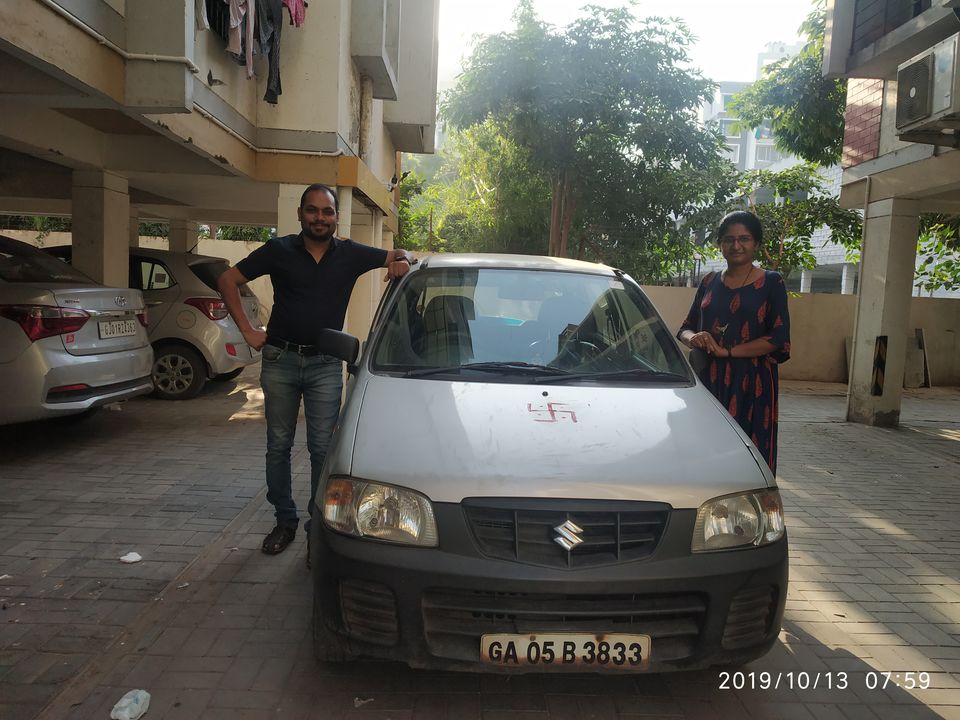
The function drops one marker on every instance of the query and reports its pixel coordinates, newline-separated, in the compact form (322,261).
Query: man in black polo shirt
(313,274)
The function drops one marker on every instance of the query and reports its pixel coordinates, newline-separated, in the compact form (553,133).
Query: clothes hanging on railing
(252,27)
(269,23)
(218,15)
(200,14)
(297,11)
(242,21)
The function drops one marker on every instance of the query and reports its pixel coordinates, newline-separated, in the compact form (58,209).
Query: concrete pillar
(883,312)
(183,235)
(134,227)
(387,239)
(101,226)
(288,201)
(345,197)
(806,280)
(366,293)
(848,279)
(377,237)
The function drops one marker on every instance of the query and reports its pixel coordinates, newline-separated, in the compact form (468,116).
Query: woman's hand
(704,341)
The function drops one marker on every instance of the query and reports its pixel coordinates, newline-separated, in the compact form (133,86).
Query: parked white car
(559,492)
(67,344)
(194,338)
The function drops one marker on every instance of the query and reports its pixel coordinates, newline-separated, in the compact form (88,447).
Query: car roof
(156,253)
(525,262)
(189,257)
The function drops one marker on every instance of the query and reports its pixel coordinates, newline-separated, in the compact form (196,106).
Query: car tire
(327,647)
(179,372)
(227,376)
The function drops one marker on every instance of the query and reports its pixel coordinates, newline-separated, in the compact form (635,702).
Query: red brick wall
(861,135)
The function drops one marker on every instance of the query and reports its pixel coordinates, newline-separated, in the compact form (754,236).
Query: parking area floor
(212,628)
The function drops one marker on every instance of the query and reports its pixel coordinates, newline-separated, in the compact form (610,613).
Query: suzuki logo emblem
(120,300)
(568,535)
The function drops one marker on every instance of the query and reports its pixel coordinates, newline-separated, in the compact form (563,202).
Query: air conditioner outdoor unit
(928,95)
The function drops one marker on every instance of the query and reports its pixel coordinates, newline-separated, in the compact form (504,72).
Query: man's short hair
(325,188)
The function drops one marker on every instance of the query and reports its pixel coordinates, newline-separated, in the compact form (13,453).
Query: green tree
(938,251)
(792,205)
(154,229)
(606,112)
(804,108)
(484,197)
(245,233)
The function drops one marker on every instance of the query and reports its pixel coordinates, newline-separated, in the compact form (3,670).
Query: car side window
(149,275)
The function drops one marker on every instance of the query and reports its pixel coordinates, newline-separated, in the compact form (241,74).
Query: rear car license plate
(610,651)
(117,328)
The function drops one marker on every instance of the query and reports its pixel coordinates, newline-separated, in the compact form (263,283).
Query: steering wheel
(579,350)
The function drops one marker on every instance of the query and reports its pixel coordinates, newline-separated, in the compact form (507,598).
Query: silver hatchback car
(194,338)
(559,492)
(67,344)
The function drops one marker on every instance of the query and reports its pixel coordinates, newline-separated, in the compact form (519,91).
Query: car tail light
(231,349)
(213,308)
(143,318)
(70,388)
(40,321)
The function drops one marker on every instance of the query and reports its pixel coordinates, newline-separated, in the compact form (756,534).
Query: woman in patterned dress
(739,318)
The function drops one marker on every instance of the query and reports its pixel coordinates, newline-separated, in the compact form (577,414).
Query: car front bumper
(429,607)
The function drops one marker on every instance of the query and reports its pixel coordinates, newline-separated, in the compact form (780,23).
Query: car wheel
(178,372)
(227,376)
(327,647)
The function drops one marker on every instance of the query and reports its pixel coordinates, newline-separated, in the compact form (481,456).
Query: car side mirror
(339,344)
(352,367)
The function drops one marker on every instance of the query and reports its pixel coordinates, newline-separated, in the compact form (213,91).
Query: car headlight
(741,520)
(384,512)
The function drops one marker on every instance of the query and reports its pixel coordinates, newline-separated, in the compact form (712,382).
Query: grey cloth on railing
(269,23)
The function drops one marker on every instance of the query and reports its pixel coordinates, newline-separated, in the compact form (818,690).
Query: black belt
(294,347)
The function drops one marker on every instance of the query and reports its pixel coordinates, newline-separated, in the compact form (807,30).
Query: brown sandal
(278,539)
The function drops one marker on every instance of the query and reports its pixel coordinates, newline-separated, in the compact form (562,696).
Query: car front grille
(530,535)
(369,612)
(748,622)
(455,620)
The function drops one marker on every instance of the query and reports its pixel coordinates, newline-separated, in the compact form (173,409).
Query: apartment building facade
(899,161)
(212,111)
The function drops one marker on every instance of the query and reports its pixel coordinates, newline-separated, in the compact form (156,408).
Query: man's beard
(322,236)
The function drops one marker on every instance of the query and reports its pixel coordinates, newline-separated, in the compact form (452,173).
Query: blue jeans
(285,377)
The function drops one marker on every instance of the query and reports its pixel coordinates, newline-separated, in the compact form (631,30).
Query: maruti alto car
(558,491)
(67,344)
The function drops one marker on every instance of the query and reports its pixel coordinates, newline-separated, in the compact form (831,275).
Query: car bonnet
(451,440)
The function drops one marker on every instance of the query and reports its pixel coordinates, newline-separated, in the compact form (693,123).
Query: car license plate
(117,328)
(610,651)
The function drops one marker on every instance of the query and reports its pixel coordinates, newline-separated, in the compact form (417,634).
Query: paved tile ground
(214,629)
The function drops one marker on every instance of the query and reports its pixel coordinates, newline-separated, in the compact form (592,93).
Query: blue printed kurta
(747,387)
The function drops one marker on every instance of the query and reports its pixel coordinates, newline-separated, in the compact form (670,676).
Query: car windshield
(525,325)
(21,263)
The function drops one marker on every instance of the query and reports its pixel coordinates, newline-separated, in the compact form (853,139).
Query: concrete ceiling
(50,127)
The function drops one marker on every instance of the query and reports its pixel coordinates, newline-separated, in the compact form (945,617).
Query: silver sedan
(67,344)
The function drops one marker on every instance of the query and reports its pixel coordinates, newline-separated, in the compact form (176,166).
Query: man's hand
(397,269)
(255,338)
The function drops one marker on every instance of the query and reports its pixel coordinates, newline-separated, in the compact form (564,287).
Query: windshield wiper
(544,371)
(639,373)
